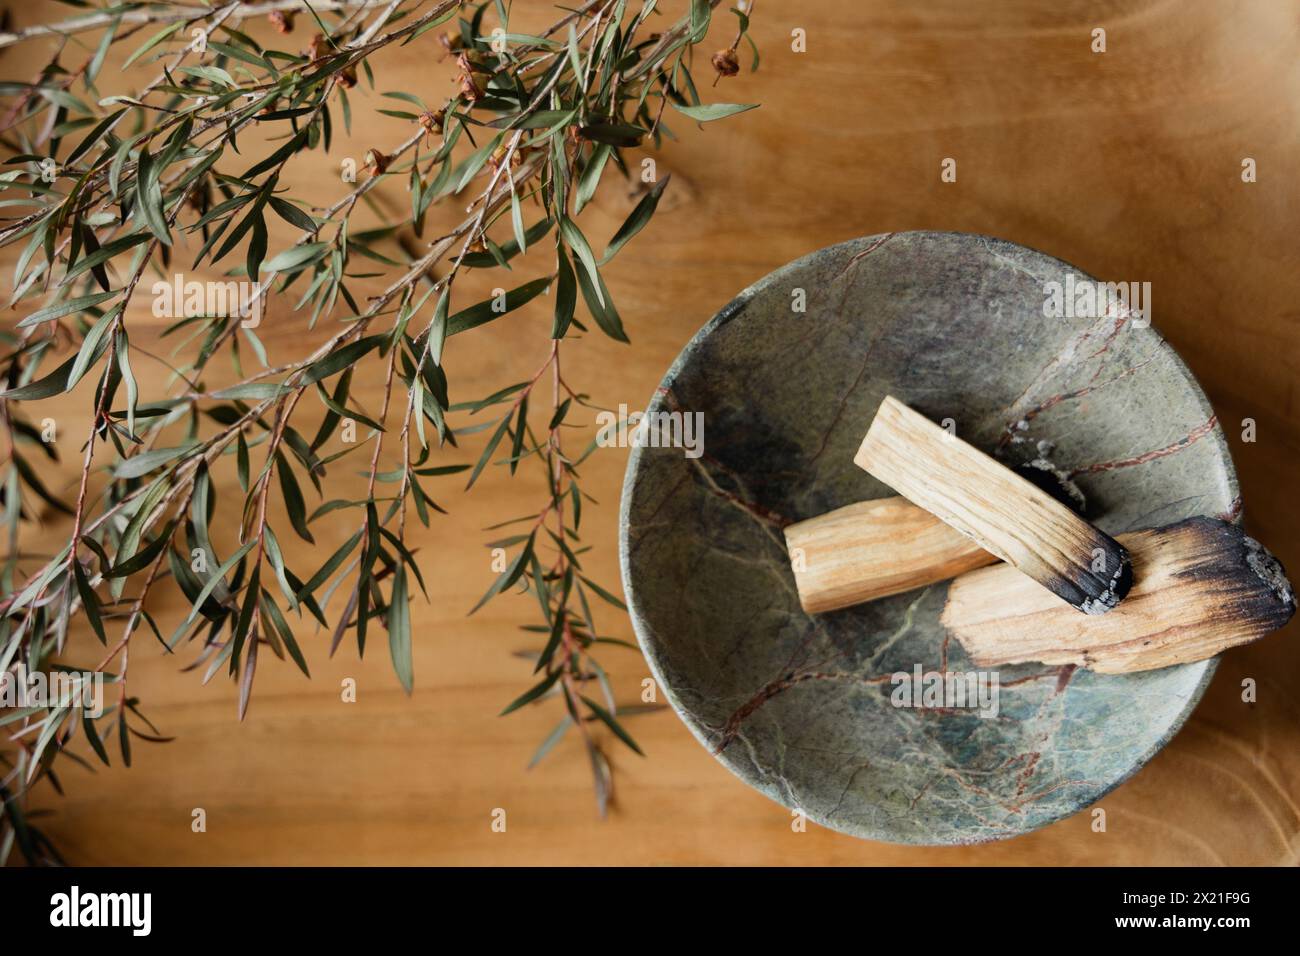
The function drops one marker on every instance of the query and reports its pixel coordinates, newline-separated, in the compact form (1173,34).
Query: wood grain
(872,549)
(1125,163)
(1200,587)
(993,506)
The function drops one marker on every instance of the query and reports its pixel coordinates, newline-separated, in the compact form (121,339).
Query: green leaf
(147,461)
(603,593)
(636,220)
(341,358)
(622,135)
(120,156)
(46,735)
(104,253)
(136,526)
(213,74)
(517,222)
(537,119)
(256,246)
(707,112)
(566,295)
(257,390)
(553,738)
(242,628)
(93,137)
(152,42)
(235,53)
(530,695)
(467,170)
(510,575)
(328,568)
(89,350)
(484,312)
(293,500)
(123,352)
(218,577)
(601,305)
(34,482)
(89,603)
(701,11)
(60,309)
(101,51)
(487,451)
(578,243)
(278,157)
(92,735)
(276,557)
(399,630)
(241,461)
(150,197)
(521,428)
(272,611)
(296,256)
(142,558)
(558,416)
(590,177)
(292,215)
(438,328)
(406,97)
(608,720)
(53,384)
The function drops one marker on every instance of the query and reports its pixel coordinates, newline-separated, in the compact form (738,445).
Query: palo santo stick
(872,549)
(999,510)
(1201,586)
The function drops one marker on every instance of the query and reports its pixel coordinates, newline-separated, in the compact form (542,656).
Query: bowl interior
(800,706)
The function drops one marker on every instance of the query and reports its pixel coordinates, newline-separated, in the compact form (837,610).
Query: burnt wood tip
(1237,582)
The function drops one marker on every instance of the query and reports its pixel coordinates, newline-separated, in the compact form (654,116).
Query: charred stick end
(1251,583)
(1004,512)
(1201,586)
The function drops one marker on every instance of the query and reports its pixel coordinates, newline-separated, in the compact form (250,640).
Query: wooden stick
(999,510)
(1201,586)
(872,549)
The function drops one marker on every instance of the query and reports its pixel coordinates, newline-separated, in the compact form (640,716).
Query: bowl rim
(652,653)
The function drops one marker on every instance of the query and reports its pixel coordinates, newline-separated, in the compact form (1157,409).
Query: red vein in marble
(1195,434)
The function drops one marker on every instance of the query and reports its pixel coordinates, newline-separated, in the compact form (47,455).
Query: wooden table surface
(1127,164)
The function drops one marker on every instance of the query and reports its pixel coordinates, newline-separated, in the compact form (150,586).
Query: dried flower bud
(726,63)
(432,122)
(376,162)
(499,155)
(478,245)
(471,62)
(348,77)
(469,88)
(317,47)
(450,42)
(282,20)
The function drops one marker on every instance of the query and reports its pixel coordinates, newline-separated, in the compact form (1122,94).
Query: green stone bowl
(799,706)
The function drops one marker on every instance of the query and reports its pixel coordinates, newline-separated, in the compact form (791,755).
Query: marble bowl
(799,706)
